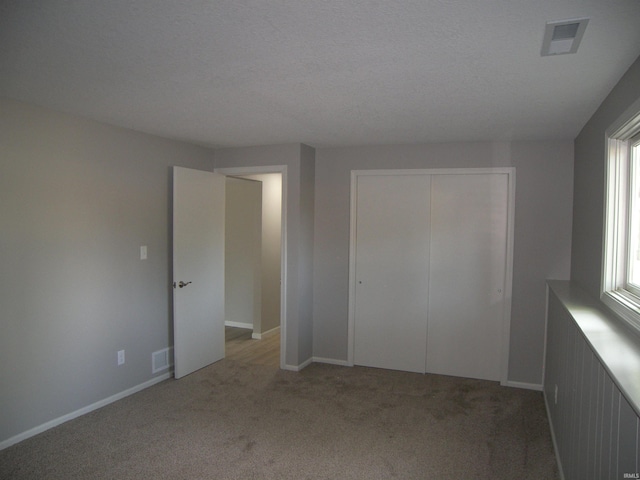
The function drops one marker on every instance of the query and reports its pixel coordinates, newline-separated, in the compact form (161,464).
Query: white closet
(430,271)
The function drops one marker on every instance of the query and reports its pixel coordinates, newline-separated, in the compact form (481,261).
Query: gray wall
(542,233)
(77,200)
(243,252)
(271,249)
(586,249)
(299,160)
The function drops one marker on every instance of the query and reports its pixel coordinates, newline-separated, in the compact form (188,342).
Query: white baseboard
(291,368)
(260,336)
(83,411)
(527,386)
(297,368)
(248,326)
(332,361)
(309,361)
(306,363)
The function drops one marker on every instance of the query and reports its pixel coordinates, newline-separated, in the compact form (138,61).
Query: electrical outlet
(143,252)
(120,357)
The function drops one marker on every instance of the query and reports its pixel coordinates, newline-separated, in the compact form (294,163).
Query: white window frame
(623,299)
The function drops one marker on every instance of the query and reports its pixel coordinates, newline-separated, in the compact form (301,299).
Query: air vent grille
(563,32)
(161,360)
(563,36)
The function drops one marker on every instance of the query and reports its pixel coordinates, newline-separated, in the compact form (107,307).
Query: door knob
(183,284)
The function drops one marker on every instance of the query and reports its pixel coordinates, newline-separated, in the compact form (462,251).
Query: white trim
(433,171)
(309,361)
(613,285)
(282,169)
(351,324)
(527,386)
(625,123)
(305,364)
(331,361)
(615,214)
(247,326)
(268,333)
(297,368)
(291,368)
(508,289)
(82,411)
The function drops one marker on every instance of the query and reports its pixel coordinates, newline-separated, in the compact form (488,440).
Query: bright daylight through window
(633,261)
(621,267)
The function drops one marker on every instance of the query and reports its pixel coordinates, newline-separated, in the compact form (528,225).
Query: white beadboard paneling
(595,425)
(627,440)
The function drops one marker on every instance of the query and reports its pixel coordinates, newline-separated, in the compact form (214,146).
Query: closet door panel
(467,275)
(391,271)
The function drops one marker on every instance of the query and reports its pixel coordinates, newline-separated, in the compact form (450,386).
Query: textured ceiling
(325,73)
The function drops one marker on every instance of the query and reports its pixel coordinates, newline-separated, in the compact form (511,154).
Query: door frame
(282,169)
(511,196)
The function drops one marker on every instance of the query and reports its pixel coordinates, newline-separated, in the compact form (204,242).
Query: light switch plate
(143,252)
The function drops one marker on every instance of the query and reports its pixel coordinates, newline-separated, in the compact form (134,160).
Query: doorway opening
(260,331)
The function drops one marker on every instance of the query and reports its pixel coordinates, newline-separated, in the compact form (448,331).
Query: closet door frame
(511,175)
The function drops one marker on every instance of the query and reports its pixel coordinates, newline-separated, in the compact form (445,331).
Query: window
(633,260)
(621,259)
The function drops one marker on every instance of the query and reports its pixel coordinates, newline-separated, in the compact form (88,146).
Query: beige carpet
(233,420)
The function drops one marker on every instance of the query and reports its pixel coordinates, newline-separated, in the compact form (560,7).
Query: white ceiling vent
(563,36)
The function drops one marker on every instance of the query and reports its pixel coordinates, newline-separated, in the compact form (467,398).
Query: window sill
(625,305)
(615,344)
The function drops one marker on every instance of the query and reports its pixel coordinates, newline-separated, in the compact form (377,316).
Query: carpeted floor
(233,420)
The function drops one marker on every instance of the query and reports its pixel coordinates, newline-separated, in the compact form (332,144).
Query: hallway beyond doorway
(240,347)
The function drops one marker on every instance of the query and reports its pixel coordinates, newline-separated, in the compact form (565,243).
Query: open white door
(198,269)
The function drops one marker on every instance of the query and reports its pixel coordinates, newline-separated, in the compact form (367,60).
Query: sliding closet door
(467,270)
(391,271)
